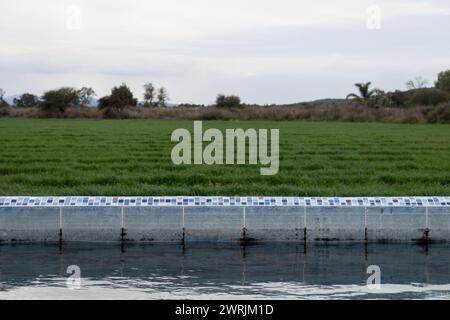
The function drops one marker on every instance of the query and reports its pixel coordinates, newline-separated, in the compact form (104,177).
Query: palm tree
(365,94)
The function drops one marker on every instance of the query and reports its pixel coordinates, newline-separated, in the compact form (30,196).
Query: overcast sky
(266,51)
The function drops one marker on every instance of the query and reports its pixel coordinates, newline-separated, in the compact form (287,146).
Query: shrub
(4,112)
(428,97)
(3,104)
(223,101)
(114,105)
(443,81)
(26,100)
(57,101)
(438,114)
(398,98)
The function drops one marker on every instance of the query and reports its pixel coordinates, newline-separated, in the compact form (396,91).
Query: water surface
(208,271)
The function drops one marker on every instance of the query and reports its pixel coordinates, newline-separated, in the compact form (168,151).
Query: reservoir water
(215,271)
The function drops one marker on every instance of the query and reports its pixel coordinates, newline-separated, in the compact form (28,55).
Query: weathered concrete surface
(224,224)
(159,224)
(396,224)
(29,224)
(335,224)
(439,223)
(217,224)
(276,224)
(91,224)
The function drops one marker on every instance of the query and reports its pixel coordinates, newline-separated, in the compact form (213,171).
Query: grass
(132,157)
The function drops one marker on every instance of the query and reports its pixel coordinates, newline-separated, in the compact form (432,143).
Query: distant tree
(223,101)
(3,103)
(398,98)
(121,97)
(85,95)
(428,97)
(162,97)
(380,98)
(416,83)
(365,94)
(149,94)
(59,100)
(443,81)
(26,100)
(103,103)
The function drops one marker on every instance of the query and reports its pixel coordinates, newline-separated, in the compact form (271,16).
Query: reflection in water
(207,271)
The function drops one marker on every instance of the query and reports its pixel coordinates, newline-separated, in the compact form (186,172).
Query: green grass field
(132,157)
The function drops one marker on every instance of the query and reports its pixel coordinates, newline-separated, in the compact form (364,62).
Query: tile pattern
(225,201)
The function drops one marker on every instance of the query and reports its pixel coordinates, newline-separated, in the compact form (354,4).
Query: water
(208,271)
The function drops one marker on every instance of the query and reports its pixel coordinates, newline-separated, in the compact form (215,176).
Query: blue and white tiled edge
(225,201)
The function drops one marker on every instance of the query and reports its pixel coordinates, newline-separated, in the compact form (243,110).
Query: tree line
(122,98)
(66,97)
(417,93)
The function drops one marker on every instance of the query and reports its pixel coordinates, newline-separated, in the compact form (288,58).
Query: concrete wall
(29,224)
(224,224)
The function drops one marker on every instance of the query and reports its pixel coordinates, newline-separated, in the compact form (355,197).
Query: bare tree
(85,95)
(149,93)
(162,97)
(416,83)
